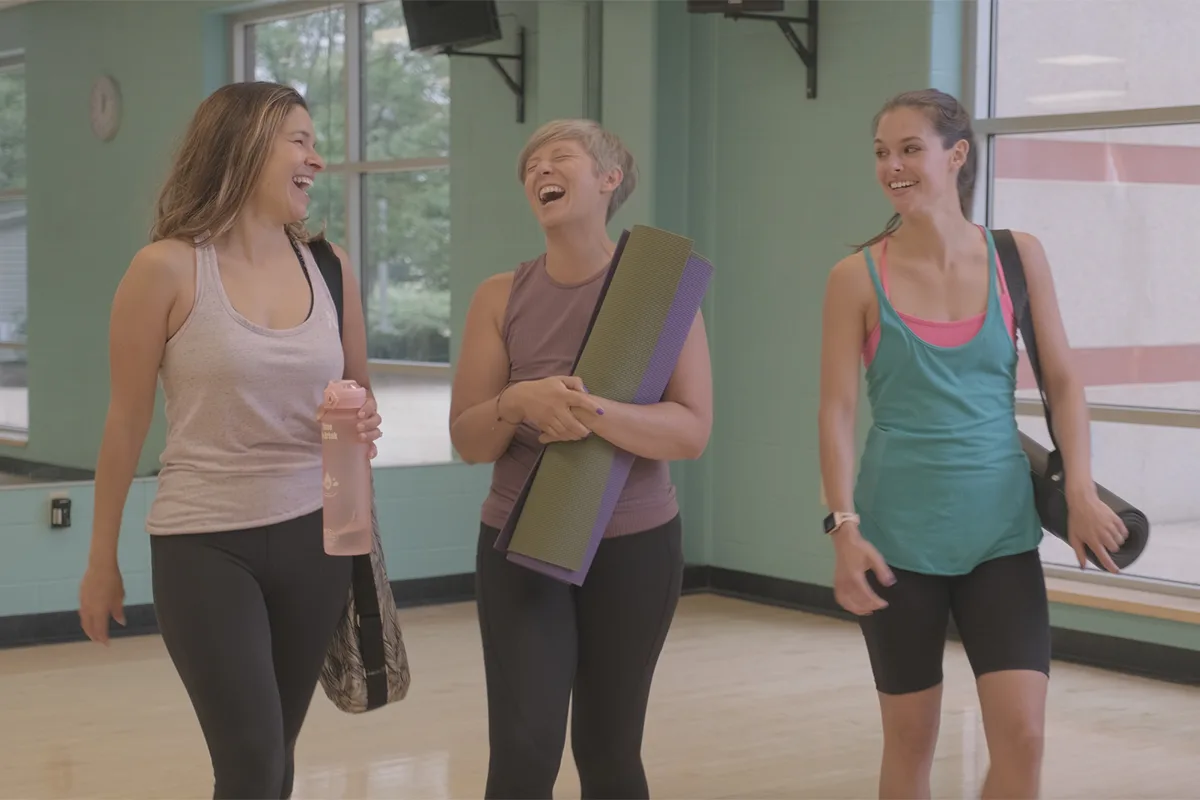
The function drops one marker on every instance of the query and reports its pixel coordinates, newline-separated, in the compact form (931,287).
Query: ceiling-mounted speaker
(435,25)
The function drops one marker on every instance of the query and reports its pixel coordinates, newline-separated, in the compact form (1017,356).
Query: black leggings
(246,617)
(1000,609)
(547,646)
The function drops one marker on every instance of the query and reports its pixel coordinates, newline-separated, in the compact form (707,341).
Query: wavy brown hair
(218,164)
(953,125)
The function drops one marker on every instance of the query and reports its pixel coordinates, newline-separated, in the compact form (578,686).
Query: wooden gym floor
(749,702)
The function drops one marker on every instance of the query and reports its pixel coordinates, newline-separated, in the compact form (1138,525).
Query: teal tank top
(943,484)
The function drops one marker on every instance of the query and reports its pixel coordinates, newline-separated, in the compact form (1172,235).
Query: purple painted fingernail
(600,411)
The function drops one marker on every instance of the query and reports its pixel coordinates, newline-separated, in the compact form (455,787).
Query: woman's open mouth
(550,193)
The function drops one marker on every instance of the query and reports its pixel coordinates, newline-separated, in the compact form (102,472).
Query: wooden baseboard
(1124,600)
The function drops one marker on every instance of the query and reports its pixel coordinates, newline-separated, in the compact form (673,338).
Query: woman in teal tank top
(924,397)
(941,519)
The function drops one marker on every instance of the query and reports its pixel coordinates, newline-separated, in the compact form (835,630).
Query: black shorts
(1000,610)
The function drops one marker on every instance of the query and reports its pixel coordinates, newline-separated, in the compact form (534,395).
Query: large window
(1089,125)
(14,385)
(382,115)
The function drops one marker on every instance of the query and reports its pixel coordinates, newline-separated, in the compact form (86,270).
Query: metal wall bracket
(808,54)
(517,83)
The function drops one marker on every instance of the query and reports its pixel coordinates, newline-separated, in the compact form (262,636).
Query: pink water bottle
(347,467)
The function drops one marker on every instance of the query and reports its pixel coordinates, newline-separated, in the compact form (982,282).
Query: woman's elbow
(469,455)
(1063,385)
(463,446)
(694,450)
(477,456)
(469,451)
(696,442)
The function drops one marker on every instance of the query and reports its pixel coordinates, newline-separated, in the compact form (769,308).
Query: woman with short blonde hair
(548,645)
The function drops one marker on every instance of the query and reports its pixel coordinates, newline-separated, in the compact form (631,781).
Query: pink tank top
(243,442)
(544,326)
(940,334)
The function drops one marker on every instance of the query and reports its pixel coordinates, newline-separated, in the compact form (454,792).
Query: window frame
(13,435)
(978,93)
(352,166)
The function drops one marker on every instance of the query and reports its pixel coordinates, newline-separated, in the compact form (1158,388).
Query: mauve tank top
(544,326)
(243,445)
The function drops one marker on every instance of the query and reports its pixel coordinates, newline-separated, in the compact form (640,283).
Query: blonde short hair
(604,147)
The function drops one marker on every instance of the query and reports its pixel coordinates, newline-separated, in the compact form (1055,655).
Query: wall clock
(105,108)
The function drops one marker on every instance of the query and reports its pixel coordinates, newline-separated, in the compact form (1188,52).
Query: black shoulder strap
(1014,276)
(371,645)
(331,270)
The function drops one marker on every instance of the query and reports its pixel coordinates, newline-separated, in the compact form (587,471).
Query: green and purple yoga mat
(650,299)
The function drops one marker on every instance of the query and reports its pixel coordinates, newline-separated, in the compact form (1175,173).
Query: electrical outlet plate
(60,511)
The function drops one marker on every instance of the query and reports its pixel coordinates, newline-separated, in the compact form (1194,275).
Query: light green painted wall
(1126,626)
(14,30)
(772,186)
(492,228)
(787,187)
(89,202)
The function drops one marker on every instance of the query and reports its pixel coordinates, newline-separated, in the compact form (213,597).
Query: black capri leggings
(547,646)
(1000,610)
(246,617)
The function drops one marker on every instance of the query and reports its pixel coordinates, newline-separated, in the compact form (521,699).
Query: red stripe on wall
(1025,158)
(1126,366)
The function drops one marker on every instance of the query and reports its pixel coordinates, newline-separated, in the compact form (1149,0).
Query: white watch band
(840,518)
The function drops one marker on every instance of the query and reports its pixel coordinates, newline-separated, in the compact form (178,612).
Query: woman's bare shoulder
(850,278)
(165,258)
(492,294)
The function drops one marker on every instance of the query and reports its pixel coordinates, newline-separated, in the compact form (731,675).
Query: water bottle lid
(344,394)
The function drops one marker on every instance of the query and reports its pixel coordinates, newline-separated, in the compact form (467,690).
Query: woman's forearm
(115,467)
(836,426)
(1072,430)
(483,432)
(665,431)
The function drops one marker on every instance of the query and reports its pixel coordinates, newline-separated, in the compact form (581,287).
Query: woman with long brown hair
(940,521)
(226,307)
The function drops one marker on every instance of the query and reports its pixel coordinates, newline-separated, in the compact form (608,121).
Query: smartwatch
(837,519)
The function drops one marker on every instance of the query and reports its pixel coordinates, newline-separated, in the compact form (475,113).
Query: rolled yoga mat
(1051,500)
(650,298)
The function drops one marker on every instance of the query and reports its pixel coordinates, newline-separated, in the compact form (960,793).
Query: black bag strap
(370,631)
(1018,290)
(331,270)
(366,602)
